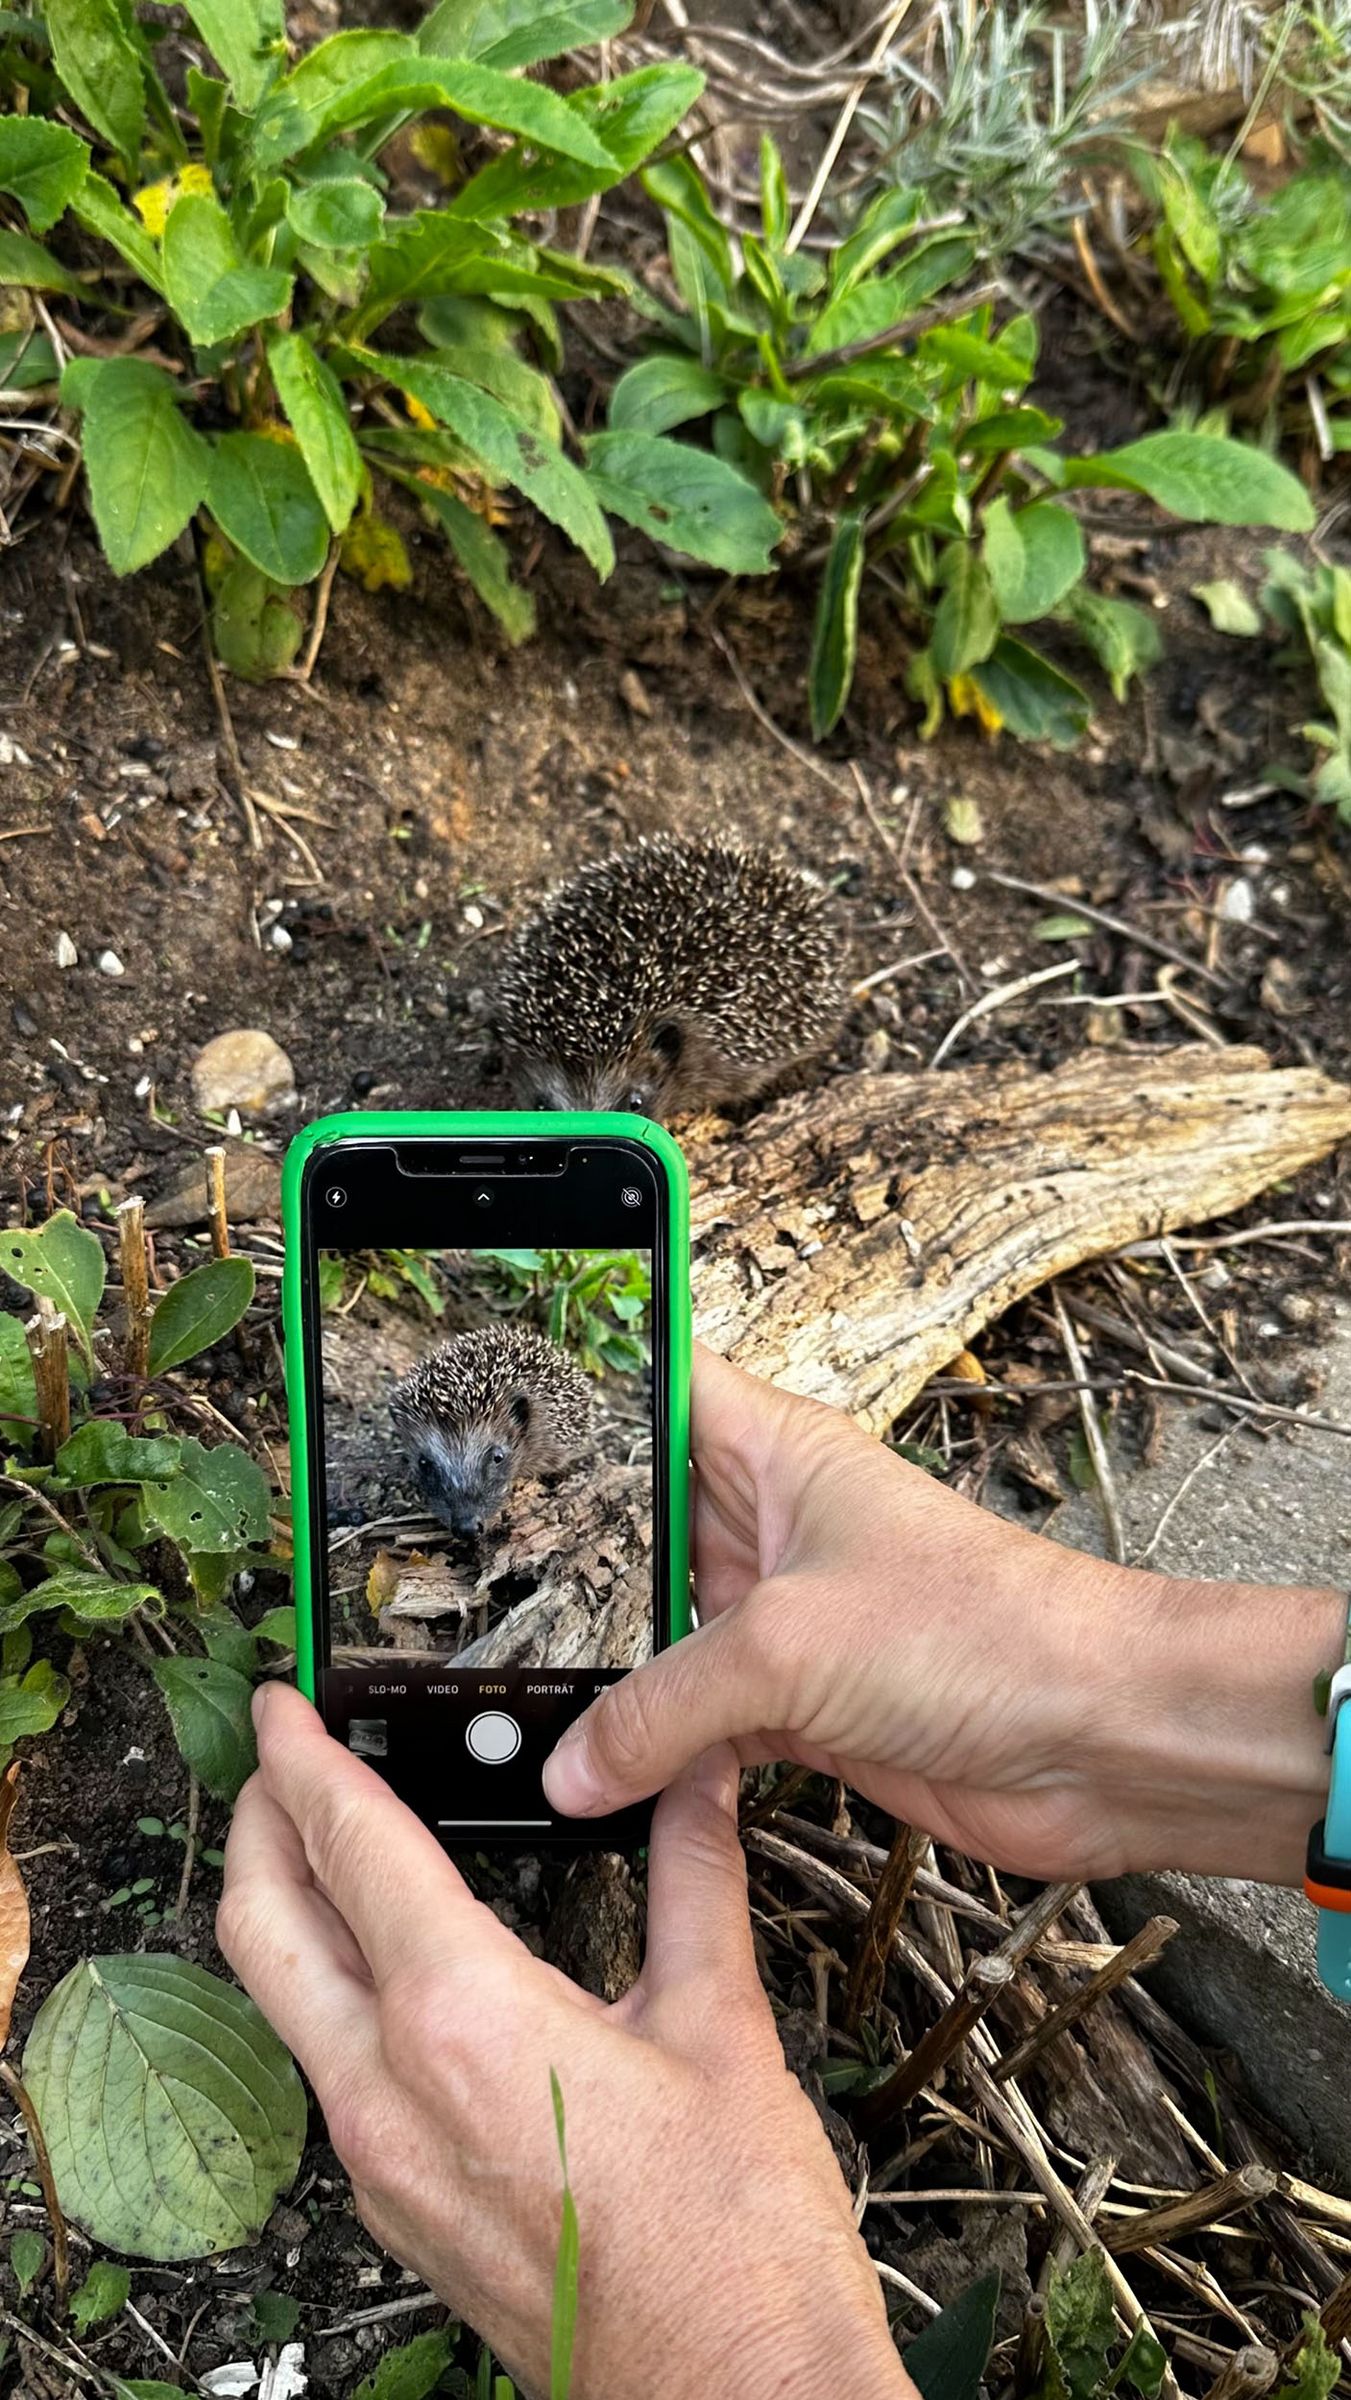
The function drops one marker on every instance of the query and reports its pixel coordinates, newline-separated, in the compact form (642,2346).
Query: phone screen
(488,1418)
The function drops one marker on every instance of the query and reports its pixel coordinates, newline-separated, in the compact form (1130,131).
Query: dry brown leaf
(15,1925)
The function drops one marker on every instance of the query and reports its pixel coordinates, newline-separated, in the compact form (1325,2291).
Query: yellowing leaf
(420,415)
(15,1929)
(373,552)
(195,178)
(436,148)
(966,1367)
(968,700)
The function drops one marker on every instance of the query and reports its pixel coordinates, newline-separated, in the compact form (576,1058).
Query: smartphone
(487,1366)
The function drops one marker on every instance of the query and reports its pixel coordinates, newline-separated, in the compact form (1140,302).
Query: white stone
(245,1069)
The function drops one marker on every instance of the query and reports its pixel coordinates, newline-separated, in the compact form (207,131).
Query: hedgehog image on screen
(489,1435)
(677,975)
(485,1409)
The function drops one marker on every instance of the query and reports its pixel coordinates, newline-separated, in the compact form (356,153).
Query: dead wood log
(850,1241)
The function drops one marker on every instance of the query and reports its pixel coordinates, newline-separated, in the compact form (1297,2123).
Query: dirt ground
(403,804)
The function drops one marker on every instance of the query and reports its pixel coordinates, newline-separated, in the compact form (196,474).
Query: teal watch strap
(1327,1878)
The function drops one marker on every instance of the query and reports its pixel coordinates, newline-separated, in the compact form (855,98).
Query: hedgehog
(676,975)
(485,1409)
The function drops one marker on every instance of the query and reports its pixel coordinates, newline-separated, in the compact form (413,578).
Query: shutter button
(493,1738)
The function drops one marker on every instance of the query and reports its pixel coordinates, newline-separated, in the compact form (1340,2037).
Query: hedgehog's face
(640,1080)
(464,1472)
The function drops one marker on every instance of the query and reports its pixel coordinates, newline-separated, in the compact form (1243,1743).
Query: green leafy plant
(1258,283)
(312,342)
(130,1530)
(593,1303)
(1313,606)
(1081,2340)
(173,2116)
(947,2361)
(878,403)
(343,1278)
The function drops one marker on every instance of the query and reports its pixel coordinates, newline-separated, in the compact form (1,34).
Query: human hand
(1038,1708)
(716,2235)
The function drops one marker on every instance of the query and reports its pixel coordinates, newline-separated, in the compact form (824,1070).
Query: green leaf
(689,499)
(27,360)
(1010,429)
(1317,2366)
(261,496)
(1064,928)
(1228,606)
(26,264)
(518,33)
(775,209)
(482,95)
(201,1308)
(966,622)
(42,166)
(507,449)
(342,212)
(229,1641)
(173,2115)
(210,286)
(97,207)
(947,2361)
(27,2257)
(975,358)
(139,2389)
(484,558)
(1033,554)
(663,391)
(18,1390)
(104,1452)
(632,116)
(245,37)
(564,2325)
(208,1706)
(873,307)
(146,465)
(412,2371)
(680,192)
(104,2293)
(31,1703)
(100,66)
(1143,2364)
(255,630)
(278,1626)
(91,1598)
(835,632)
(62,1262)
(1123,637)
(1203,477)
(217,1502)
(1030,696)
(1080,2324)
(276,2315)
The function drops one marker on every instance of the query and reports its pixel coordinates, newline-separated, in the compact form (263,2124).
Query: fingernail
(569,1784)
(257,1705)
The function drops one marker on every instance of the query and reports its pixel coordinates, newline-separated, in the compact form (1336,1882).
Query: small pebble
(362,1082)
(1236,902)
(110,963)
(1297,1308)
(25,1022)
(473,916)
(66,953)
(245,1069)
(11,755)
(962,879)
(280,938)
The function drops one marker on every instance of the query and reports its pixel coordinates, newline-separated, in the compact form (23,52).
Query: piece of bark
(1000,1177)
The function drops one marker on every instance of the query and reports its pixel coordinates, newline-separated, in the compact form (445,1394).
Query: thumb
(698,1916)
(638,1735)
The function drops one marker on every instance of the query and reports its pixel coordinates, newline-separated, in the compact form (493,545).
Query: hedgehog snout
(464,1493)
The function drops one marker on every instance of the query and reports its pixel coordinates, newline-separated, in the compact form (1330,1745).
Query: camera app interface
(488,1466)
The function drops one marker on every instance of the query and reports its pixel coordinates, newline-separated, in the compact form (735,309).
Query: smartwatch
(1327,1874)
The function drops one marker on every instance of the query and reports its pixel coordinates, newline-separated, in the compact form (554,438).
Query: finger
(639,1734)
(384,1872)
(698,1917)
(288,1945)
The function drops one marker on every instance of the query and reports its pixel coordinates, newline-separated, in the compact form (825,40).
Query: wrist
(1201,1735)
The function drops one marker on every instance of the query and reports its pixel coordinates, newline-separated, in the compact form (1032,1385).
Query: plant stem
(47,1341)
(190,1846)
(215,1202)
(135,1289)
(18,2092)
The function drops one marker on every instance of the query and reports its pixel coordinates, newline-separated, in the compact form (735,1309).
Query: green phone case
(477,1126)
